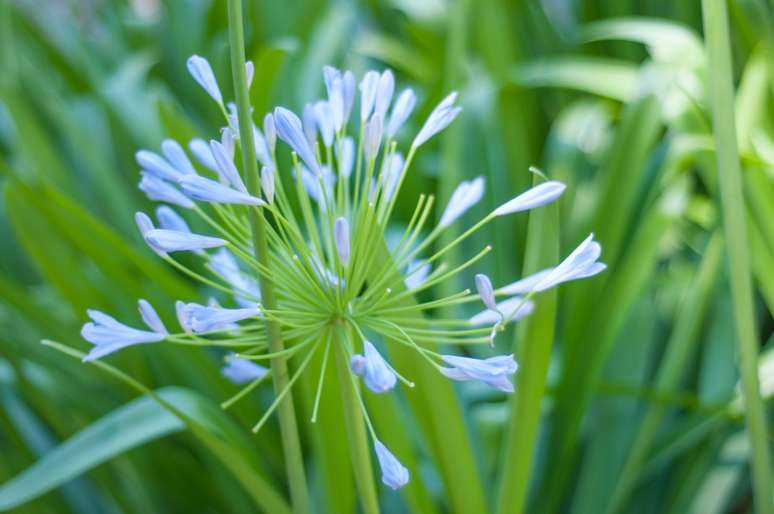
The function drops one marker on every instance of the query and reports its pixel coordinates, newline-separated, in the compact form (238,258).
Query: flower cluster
(338,285)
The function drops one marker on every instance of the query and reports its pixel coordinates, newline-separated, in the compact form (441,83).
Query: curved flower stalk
(332,286)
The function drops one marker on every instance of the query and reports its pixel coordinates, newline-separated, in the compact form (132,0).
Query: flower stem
(287,417)
(356,428)
(721,95)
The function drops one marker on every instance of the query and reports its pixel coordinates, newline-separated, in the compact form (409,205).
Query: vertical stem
(356,429)
(535,339)
(291,444)
(721,93)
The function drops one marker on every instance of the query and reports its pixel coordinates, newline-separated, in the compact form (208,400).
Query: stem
(721,93)
(356,429)
(287,417)
(534,341)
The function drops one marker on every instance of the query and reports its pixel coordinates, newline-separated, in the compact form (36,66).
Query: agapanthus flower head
(339,287)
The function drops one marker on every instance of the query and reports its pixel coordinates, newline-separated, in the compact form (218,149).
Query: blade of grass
(721,95)
(679,348)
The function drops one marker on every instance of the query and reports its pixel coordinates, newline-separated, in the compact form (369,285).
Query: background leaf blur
(641,412)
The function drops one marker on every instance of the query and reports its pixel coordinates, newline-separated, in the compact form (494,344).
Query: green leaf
(127,427)
(598,76)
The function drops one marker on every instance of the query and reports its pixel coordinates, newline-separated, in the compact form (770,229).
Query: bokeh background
(642,411)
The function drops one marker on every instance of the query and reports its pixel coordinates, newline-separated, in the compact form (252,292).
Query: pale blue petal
(151,317)
(207,190)
(242,371)
(175,241)
(162,191)
(537,196)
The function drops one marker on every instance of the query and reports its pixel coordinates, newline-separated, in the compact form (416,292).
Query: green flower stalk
(324,222)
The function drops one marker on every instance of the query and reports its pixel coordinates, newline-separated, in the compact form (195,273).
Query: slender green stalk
(535,341)
(356,428)
(678,350)
(721,95)
(291,444)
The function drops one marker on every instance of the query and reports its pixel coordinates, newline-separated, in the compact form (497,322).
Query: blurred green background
(642,411)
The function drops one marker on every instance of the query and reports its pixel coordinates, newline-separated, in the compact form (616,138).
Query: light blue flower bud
(392,169)
(377,374)
(206,190)
(345,153)
(267,184)
(372,137)
(417,272)
(156,165)
(348,92)
(162,191)
(151,317)
(176,241)
(324,118)
(270,132)
(403,108)
(202,318)
(443,114)
(486,291)
(341,237)
(465,196)
(384,92)
(290,130)
(176,156)
(249,72)
(201,151)
(170,220)
(108,335)
(226,168)
(201,71)
(262,148)
(394,474)
(335,87)
(368,93)
(242,371)
(246,290)
(309,124)
(494,371)
(537,196)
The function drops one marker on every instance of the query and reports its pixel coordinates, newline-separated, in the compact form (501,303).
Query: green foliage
(628,396)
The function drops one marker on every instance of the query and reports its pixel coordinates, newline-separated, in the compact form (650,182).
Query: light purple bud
(341,237)
(206,190)
(325,122)
(226,169)
(249,72)
(309,124)
(348,93)
(440,118)
(537,196)
(267,184)
(372,137)
(384,92)
(290,130)
(201,71)
(403,108)
(201,150)
(486,291)
(465,196)
(377,374)
(270,132)
(176,156)
(394,474)
(156,165)
(368,93)
(175,241)
(242,371)
(151,317)
(345,153)
(162,191)
(494,371)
